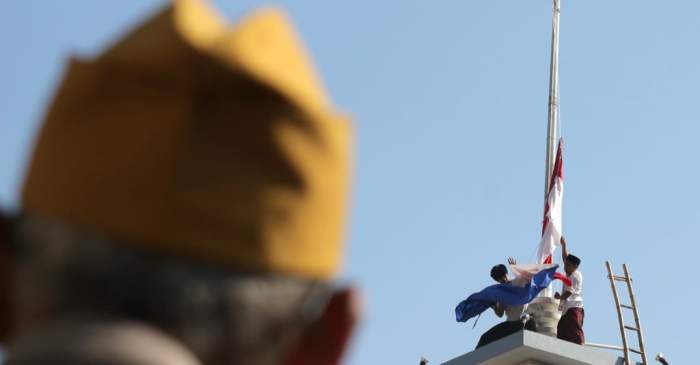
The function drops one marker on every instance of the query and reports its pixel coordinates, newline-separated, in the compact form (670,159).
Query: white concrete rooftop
(527,347)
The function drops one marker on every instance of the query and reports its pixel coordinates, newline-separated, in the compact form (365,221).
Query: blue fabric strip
(506,294)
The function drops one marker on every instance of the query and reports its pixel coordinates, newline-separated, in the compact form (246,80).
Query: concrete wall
(530,348)
(545,311)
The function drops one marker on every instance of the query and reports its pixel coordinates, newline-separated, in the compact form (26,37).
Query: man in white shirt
(514,314)
(570,327)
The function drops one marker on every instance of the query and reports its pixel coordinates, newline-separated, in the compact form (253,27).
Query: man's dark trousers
(570,327)
(504,329)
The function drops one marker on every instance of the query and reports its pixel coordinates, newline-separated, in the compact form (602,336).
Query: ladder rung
(632,328)
(636,351)
(602,346)
(627,306)
(619,278)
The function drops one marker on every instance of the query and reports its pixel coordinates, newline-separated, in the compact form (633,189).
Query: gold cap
(192,138)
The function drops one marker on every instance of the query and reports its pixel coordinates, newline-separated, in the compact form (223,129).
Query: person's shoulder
(519,281)
(90,343)
(577,274)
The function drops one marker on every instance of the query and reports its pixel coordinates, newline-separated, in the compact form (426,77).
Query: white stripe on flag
(552,224)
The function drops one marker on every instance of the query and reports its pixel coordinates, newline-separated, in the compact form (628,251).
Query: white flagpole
(545,307)
(553,115)
(553,110)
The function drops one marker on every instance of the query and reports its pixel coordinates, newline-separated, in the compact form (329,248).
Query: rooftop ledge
(531,348)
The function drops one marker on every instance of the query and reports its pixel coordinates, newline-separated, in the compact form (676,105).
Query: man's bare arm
(566,295)
(564,251)
(562,297)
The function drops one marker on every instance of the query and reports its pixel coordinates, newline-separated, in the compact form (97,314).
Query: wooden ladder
(633,307)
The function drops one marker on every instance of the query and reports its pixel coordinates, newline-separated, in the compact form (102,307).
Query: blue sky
(449,106)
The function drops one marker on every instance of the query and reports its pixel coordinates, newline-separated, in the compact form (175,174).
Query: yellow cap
(192,138)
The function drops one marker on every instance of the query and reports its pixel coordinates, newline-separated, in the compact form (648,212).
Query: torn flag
(506,294)
(551,224)
(527,271)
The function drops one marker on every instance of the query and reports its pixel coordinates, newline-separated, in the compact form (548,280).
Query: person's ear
(5,276)
(325,342)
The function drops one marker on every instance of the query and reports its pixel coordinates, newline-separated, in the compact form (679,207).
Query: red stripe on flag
(563,278)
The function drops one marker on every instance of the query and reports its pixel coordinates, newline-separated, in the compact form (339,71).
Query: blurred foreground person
(184,204)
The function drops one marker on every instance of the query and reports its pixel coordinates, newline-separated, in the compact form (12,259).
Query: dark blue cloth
(506,294)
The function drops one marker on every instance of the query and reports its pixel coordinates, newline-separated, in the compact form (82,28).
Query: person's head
(199,189)
(571,264)
(222,315)
(499,273)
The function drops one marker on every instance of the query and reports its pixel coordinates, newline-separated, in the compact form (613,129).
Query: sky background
(449,100)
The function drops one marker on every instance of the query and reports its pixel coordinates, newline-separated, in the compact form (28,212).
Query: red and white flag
(551,225)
